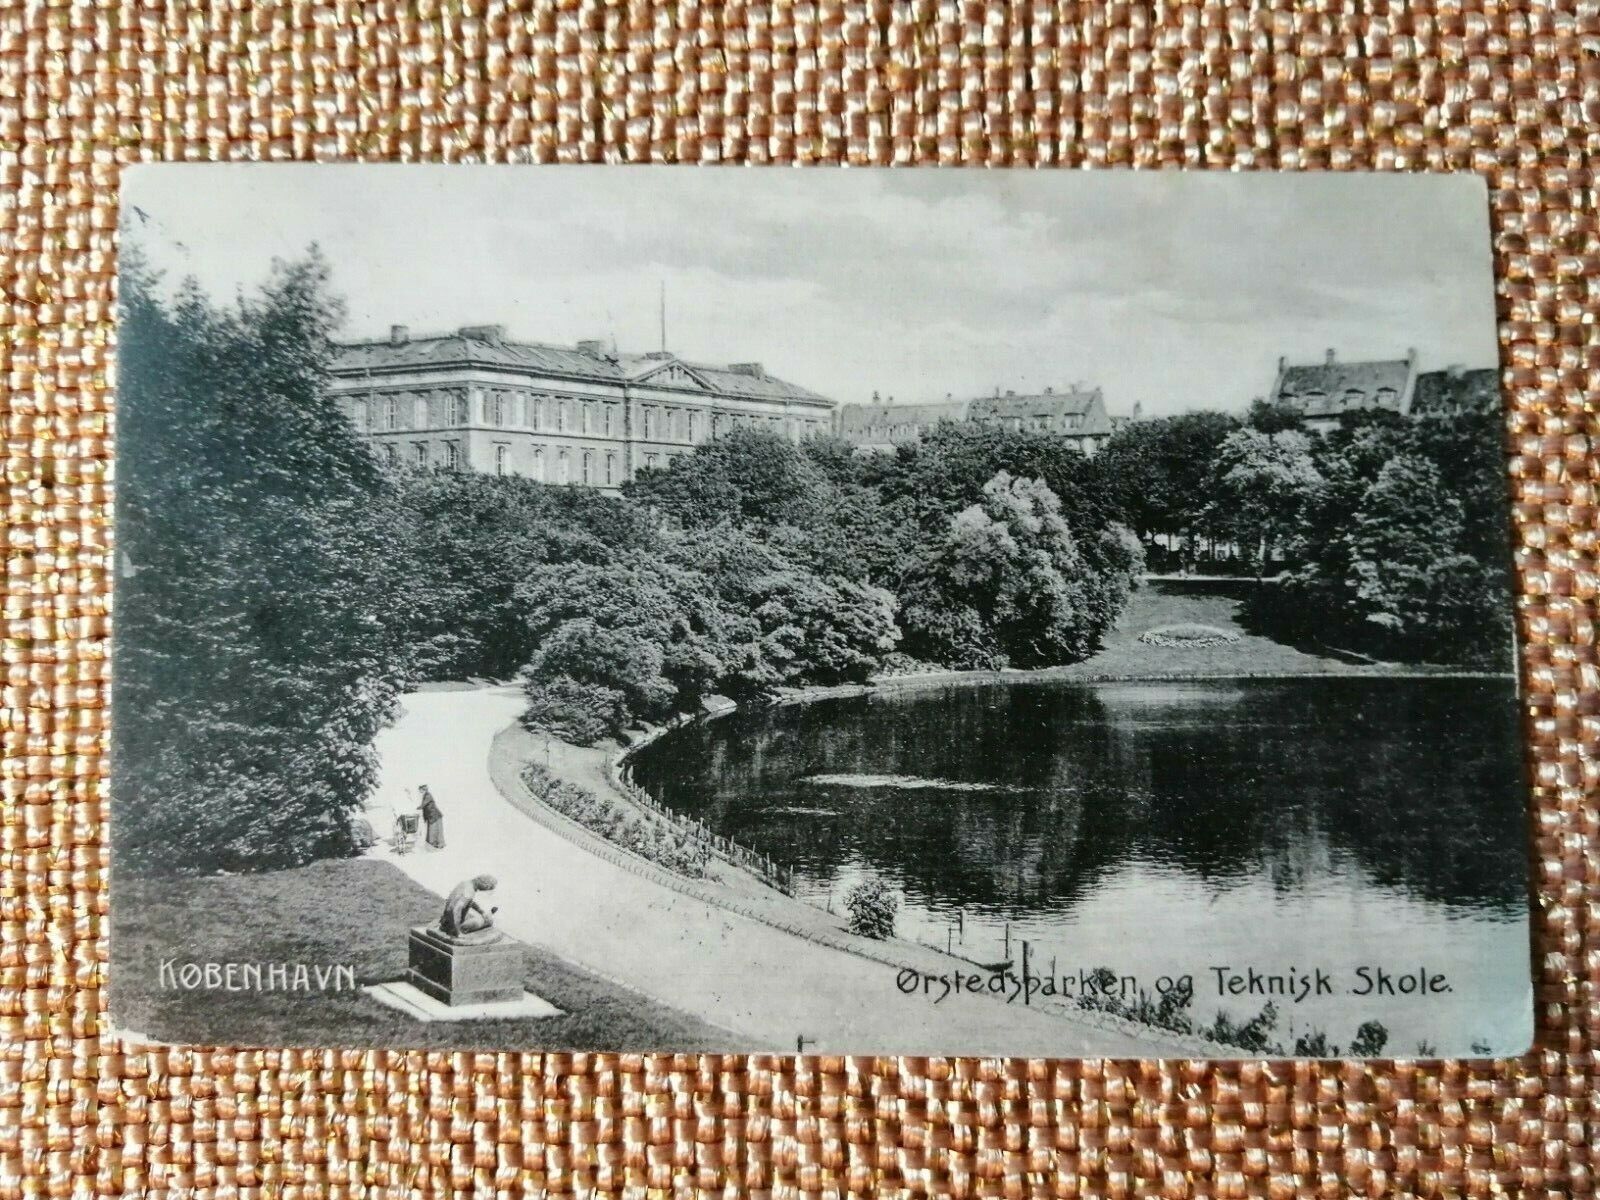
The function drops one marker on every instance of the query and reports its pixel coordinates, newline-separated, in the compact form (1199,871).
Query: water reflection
(1411,785)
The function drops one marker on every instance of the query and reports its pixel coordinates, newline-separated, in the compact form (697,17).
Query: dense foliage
(278,587)
(1387,535)
(253,662)
(1401,544)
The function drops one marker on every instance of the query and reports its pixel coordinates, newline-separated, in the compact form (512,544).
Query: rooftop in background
(589,361)
(1322,391)
(1078,412)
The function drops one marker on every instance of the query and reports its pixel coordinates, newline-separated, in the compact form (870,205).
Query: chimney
(875,397)
(1138,410)
(1411,356)
(1048,390)
(1283,362)
(593,347)
(399,335)
(494,334)
(1009,392)
(753,370)
(1329,360)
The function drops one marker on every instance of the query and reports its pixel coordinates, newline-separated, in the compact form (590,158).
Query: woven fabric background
(1510,90)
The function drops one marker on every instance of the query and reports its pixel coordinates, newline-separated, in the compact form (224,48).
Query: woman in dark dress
(433,817)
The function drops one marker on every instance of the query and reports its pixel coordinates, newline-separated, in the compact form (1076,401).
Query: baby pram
(405,832)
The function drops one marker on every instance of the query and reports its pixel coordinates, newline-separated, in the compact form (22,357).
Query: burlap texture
(1512,92)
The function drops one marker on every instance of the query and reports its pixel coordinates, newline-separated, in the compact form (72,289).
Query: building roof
(859,418)
(863,418)
(487,346)
(1327,389)
(1041,404)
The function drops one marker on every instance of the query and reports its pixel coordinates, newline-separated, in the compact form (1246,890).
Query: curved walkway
(764,985)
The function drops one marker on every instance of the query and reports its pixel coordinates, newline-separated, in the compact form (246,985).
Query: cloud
(1165,288)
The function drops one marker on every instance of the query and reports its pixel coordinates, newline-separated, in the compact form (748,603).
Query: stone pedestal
(458,972)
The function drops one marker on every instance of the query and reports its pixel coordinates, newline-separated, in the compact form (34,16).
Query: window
(538,463)
(610,412)
(460,414)
(561,416)
(646,419)
(583,416)
(563,467)
(419,455)
(694,423)
(391,413)
(502,459)
(358,415)
(478,407)
(452,456)
(499,410)
(588,468)
(650,460)
(611,469)
(391,454)
(533,411)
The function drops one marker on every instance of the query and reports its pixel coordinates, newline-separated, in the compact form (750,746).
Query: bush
(1370,1040)
(581,713)
(872,908)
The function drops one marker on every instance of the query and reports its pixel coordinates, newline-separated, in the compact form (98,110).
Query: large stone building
(584,414)
(1323,392)
(1078,414)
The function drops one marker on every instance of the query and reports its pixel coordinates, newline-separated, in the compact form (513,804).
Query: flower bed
(653,839)
(1188,636)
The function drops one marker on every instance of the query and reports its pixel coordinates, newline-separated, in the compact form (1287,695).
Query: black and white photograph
(917,611)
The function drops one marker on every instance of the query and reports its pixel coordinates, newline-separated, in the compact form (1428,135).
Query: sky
(1170,290)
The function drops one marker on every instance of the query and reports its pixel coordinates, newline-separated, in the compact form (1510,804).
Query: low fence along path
(761,983)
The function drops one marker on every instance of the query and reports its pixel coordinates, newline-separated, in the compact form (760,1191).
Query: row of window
(1384,397)
(558,414)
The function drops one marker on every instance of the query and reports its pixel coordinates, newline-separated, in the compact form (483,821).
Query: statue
(464,919)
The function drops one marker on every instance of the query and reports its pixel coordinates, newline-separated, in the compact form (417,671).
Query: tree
(823,631)
(748,476)
(253,668)
(1411,580)
(462,542)
(1260,483)
(1402,544)
(1159,472)
(1275,416)
(647,638)
(1008,585)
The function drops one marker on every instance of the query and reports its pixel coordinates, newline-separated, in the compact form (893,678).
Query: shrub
(581,713)
(872,908)
(1370,1040)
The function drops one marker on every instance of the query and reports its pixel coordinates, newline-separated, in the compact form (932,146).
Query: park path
(763,984)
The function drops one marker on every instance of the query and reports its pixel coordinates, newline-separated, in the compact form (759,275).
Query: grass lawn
(355,911)
(1164,602)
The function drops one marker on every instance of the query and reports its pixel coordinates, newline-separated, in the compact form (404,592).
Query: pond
(1205,827)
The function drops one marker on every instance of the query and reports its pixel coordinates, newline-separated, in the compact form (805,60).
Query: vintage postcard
(899,612)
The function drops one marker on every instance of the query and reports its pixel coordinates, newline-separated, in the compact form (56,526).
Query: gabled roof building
(584,414)
(1323,392)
